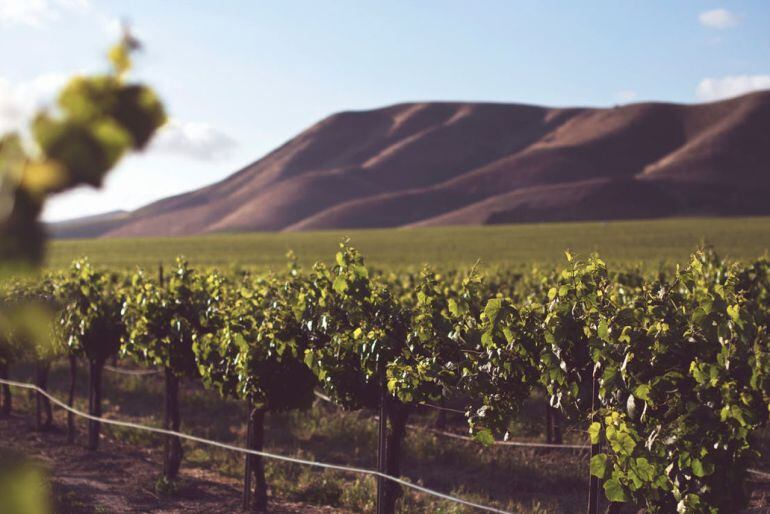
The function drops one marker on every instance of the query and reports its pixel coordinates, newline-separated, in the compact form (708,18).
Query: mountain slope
(472,163)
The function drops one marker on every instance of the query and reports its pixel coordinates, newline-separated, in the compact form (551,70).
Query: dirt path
(120,478)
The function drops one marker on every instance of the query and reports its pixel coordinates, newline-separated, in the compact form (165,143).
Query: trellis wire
(133,372)
(284,458)
(523,444)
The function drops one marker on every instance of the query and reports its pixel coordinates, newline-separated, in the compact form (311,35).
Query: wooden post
(95,403)
(548,424)
(6,411)
(171,421)
(255,464)
(71,399)
(398,413)
(593,482)
(258,443)
(38,398)
(42,403)
(166,404)
(441,417)
(382,445)
(556,422)
(249,460)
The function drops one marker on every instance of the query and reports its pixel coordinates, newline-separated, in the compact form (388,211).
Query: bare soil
(121,478)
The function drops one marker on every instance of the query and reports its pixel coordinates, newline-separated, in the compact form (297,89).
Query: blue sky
(241,77)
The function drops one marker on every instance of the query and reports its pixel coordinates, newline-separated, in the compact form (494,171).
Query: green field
(623,242)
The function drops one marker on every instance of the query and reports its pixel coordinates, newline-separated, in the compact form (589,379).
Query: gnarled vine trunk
(42,403)
(593,481)
(553,425)
(6,410)
(441,416)
(94,402)
(398,414)
(173,446)
(255,465)
(71,399)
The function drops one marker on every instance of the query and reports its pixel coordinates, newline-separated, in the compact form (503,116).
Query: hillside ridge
(454,163)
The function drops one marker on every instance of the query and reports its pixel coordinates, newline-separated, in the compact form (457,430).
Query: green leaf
(644,469)
(598,465)
(453,307)
(594,431)
(485,437)
(621,442)
(615,491)
(701,469)
(340,284)
(493,309)
(642,392)
(603,330)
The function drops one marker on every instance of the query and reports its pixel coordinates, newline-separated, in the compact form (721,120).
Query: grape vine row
(669,372)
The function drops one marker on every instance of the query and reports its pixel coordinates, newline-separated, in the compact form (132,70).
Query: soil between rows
(121,478)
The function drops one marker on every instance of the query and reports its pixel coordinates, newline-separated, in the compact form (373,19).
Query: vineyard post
(249,459)
(38,398)
(167,439)
(398,416)
(556,421)
(383,432)
(95,402)
(255,465)
(6,411)
(71,399)
(548,424)
(173,446)
(41,402)
(593,481)
(258,442)
(441,417)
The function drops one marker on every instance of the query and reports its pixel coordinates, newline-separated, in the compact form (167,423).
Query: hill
(429,164)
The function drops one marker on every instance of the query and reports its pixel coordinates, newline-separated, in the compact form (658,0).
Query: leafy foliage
(681,359)
(164,320)
(90,319)
(98,120)
(259,345)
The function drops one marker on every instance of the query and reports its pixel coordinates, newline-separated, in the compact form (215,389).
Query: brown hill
(474,163)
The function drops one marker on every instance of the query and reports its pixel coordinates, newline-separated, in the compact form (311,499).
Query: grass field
(622,242)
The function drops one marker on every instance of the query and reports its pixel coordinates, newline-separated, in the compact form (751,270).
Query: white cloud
(113,26)
(36,13)
(193,139)
(719,19)
(20,101)
(710,89)
(627,95)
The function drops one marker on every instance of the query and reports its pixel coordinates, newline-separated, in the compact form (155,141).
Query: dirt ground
(121,478)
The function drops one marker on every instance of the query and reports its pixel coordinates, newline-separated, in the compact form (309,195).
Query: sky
(240,77)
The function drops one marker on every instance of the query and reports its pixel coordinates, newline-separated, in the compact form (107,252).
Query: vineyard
(645,242)
(664,375)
